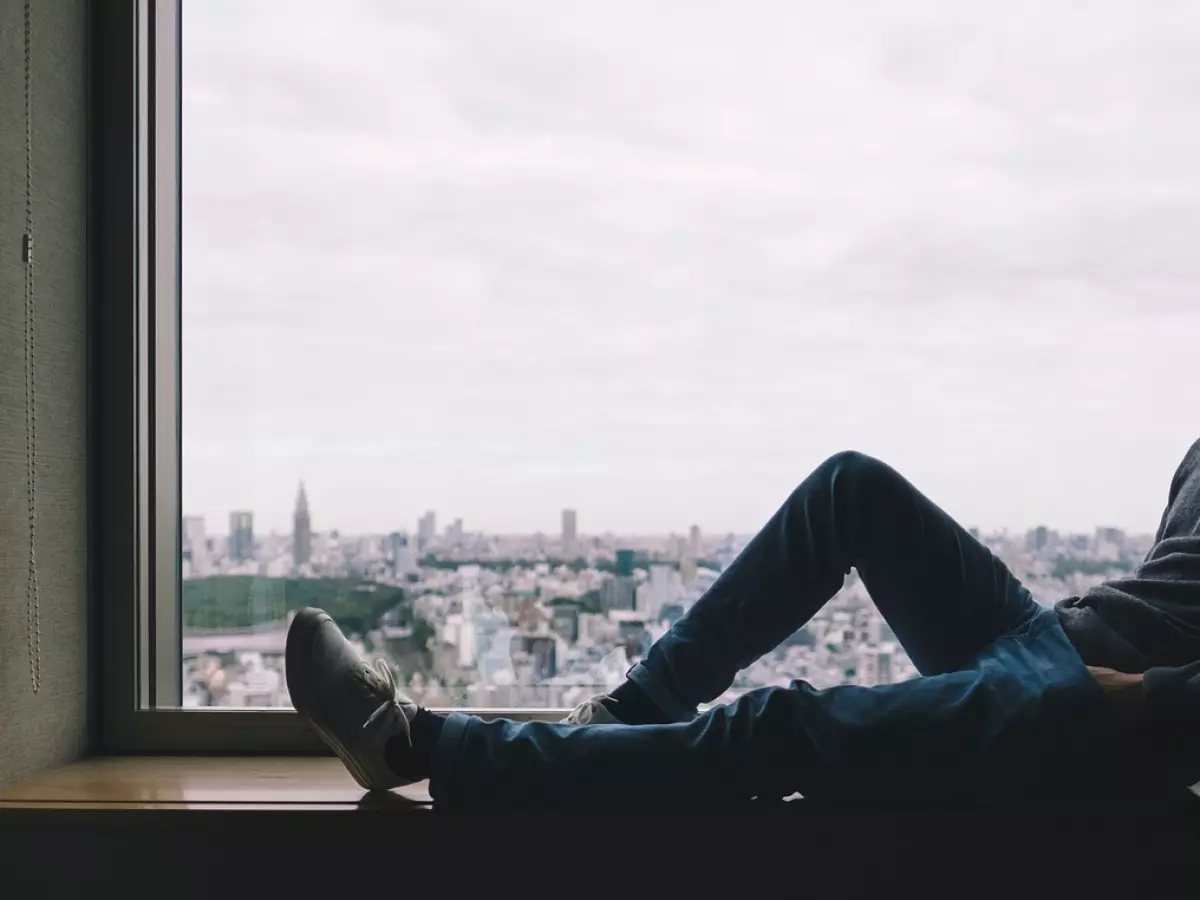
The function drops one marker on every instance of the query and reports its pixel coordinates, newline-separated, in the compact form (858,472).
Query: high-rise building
(679,546)
(874,667)
(241,535)
(569,522)
(540,650)
(195,544)
(402,553)
(426,528)
(301,530)
(618,593)
(663,589)
(694,542)
(564,621)
(624,563)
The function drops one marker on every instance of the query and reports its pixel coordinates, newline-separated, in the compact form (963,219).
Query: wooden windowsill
(205,782)
(176,827)
(280,783)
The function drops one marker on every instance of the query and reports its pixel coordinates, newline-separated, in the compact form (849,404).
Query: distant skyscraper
(301,530)
(564,621)
(402,553)
(195,544)
(625,563)
(426,528)
(679,546)
(569,522)
(687,572)
(694,542)
(874,667)
(241,535)
(662,589)
(1037,539)
(618,593)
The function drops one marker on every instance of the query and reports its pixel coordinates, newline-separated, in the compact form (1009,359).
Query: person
(1099,694)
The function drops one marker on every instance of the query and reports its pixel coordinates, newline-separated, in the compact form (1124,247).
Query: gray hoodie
(1150,623)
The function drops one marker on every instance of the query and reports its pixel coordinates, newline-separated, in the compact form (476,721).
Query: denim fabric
(1004,704)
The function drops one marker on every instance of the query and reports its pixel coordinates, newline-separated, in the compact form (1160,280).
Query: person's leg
(1023,718)
(945,595)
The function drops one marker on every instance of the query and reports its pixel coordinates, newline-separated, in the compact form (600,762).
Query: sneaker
(593,711)
(353,705)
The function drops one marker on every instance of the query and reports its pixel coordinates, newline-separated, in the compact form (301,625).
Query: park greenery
(243,601)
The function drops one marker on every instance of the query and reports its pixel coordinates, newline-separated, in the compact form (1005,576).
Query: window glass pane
(505,325)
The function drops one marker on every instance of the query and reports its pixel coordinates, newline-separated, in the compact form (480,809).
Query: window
(498,329)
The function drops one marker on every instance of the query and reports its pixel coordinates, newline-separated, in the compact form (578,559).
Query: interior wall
(49,726)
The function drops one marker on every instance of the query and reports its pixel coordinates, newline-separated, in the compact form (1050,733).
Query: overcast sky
(656,260)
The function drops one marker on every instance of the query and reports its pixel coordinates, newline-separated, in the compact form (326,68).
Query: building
(569,522)
(241,535)
(624,563)
(402,554)
(1040,539)
(631,632)
(617,593)
(301,530)
(195,545)
(663,590)
(537,651)
(426,529)
(874,667)
(564,621)
(679,546)
(694,542)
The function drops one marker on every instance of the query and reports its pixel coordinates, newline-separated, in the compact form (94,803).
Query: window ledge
(281,783)
(299,826)
(204,782)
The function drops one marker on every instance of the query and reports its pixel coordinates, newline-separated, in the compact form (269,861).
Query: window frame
(135,282)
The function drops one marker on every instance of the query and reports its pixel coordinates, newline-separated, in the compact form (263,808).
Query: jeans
(1004,706)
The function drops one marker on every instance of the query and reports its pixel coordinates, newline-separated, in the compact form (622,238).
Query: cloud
(655,260)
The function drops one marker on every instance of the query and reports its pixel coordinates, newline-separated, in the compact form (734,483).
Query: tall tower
(241,535)
(301,530)
(426,529)
(570,523)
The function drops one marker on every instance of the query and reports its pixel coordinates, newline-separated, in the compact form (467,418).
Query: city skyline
(499,623)
(569,522)
(657,267)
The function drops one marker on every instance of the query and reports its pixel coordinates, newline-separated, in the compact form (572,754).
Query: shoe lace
(385,688)
(585,711)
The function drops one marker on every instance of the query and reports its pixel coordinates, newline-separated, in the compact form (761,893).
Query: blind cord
(33,600)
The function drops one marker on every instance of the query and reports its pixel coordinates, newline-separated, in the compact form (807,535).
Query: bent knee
(856,465)
(859,478)
(850,476)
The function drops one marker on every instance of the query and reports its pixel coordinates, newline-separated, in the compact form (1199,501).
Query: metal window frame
(135,174)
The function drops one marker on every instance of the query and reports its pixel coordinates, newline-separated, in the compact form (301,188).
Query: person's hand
(1125,692)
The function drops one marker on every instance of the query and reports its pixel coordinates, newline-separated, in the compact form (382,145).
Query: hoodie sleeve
(1172,718)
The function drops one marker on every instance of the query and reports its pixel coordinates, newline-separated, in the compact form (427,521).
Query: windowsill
(298,783)
(230,783)
(144,826)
